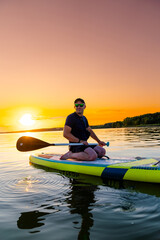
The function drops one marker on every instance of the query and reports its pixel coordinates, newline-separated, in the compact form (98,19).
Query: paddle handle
(76,144)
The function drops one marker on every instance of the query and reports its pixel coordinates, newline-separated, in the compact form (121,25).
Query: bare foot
(65,156)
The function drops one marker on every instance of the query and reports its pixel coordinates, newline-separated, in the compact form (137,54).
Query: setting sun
(26,120)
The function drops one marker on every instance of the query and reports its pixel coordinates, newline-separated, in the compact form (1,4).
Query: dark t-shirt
(78,125)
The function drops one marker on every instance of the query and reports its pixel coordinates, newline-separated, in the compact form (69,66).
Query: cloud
(47,117)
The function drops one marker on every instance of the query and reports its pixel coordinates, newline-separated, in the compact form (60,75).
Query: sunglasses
(79,104)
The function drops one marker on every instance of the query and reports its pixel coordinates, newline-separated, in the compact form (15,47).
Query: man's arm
(94,136)
(67,134)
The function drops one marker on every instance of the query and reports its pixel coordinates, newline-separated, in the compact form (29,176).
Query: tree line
(142,120)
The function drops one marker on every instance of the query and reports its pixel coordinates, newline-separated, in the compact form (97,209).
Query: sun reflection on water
(27,183)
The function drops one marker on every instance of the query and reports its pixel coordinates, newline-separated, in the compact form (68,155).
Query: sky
(53,51)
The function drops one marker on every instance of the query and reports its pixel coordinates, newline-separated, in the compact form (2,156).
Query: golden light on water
(26,183)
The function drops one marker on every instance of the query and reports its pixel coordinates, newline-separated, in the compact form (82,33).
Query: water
(36,203)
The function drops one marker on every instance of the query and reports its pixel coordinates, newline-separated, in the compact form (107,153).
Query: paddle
(26,143)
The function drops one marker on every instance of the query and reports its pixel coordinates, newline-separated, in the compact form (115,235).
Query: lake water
(36,203)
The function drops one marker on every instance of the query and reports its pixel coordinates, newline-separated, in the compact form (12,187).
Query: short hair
(79,99)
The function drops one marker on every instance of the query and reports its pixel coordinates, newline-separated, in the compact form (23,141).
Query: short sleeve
(69,121)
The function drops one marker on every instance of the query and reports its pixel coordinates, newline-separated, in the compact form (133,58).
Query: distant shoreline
(146,120)
(147,125)
(35,130)
(93,127)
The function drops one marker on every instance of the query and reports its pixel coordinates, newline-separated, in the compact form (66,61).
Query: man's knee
(92,155)
(100,151)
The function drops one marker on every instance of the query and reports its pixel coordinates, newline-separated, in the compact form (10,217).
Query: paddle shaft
(74,144)
(26,143)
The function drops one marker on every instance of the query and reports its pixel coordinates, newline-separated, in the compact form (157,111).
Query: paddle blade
(26,143)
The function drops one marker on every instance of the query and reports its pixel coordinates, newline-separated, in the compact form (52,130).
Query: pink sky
(105,51)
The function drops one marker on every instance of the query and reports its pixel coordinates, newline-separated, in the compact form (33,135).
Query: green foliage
(146,119)
(153,118)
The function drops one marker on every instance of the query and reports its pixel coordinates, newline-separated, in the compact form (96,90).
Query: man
(77,130)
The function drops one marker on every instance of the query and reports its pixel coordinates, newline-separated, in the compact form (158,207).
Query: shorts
(76,149)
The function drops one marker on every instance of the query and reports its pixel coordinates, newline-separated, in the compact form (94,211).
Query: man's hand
(84,142)
(101,143)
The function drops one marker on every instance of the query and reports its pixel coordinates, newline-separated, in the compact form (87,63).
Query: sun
(27,120)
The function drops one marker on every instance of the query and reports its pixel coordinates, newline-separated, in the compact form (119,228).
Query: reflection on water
(81,200)
(141,135)
(29,220)
(63,205)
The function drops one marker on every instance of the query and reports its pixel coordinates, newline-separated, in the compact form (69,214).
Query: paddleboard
(143,170)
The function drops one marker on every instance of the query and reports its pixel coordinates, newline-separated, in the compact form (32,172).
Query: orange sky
(51,52)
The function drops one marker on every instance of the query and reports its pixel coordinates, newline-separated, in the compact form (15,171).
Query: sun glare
(26,120)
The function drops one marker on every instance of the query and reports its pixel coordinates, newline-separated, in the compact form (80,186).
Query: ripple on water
(134,214)
(40,187)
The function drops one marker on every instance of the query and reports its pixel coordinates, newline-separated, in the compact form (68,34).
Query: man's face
(79,107)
